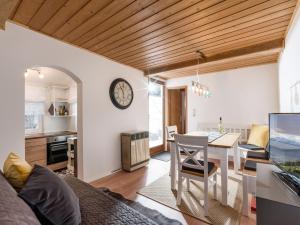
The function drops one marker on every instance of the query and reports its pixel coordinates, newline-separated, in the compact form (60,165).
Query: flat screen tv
(284,147)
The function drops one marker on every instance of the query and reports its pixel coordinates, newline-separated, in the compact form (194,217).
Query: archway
(38,70)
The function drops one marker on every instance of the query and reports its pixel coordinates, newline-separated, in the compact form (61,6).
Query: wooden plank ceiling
(6,8)
(161,37)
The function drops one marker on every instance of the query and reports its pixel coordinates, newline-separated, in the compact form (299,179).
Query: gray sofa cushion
(13,210)
(51,198)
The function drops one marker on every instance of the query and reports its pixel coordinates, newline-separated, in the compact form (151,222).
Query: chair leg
(179,190)
(206,198)
(215,186)
(188,183)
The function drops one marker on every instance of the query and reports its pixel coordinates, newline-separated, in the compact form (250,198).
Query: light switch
(194,112)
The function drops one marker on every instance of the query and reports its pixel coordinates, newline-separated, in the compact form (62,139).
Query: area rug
(192,201)
(163,156)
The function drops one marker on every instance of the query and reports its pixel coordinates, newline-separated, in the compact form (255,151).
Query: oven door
(57,152)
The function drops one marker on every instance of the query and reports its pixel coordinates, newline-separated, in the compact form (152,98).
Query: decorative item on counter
(51,110)
(220,126)
(61,110)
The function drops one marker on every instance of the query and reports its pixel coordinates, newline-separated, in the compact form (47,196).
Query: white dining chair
(171,131)
(190,167)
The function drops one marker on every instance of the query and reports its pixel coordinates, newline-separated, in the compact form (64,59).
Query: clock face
(121,93)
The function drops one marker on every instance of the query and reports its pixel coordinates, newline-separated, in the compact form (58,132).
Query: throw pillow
(259,135)
(16,170)
(51,198)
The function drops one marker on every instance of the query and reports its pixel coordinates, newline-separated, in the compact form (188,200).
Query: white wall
(35,93)
(241,96)
(289,69)
(56,124)
(102,123)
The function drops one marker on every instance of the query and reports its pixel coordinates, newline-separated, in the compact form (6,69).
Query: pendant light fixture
(197,87)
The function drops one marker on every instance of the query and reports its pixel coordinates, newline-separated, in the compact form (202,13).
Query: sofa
(97,207)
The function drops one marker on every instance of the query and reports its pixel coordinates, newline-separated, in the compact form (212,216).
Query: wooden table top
(226,141)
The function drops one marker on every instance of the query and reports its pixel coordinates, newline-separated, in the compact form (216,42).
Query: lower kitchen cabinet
(36,151)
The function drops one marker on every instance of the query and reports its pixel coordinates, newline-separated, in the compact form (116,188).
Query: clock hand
(122,92)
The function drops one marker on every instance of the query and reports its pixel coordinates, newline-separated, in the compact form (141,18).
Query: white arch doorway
(75,79)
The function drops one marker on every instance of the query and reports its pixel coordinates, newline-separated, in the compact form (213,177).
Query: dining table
(219,147)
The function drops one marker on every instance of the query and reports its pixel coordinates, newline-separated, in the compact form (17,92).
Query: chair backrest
(171,131)
(192,146)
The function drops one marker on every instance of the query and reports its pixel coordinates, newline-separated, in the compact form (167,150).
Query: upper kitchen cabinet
(60,100)
(63,93)
(58,93)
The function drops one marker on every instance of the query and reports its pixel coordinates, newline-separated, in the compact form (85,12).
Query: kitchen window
(34,112)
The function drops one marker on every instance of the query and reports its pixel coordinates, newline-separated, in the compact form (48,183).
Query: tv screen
(284,145)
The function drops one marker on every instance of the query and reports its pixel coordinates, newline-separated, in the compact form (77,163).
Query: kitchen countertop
(52,134)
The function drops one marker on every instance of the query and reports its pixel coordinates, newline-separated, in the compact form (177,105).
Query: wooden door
(177,109)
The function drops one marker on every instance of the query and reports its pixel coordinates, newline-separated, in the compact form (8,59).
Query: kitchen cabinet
(59,101)
(36,148)
(36,151)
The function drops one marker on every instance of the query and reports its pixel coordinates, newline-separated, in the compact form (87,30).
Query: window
(156,101)
(34,112)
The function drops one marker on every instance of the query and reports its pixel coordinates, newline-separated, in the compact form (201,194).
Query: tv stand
(288,180)
(276,204)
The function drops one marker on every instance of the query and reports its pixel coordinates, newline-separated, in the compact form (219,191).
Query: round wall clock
(121,93)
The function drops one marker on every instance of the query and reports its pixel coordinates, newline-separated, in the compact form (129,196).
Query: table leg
(236,158)
(245,195)
(238,150)
(224,178)
(173,166)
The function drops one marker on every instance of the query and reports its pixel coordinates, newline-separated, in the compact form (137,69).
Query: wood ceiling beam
(6,8)
(253,59)
(271,46)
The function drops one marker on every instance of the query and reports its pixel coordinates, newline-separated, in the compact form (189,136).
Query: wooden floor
(129,183)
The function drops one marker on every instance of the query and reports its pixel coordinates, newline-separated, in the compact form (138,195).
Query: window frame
(159,148)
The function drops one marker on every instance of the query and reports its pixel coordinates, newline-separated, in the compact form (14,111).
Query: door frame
(185,87)
(160,148)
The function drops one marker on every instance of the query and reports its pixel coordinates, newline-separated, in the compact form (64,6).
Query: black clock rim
(111,93)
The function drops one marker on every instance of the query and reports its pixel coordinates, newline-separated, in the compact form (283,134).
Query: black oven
(57,148)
